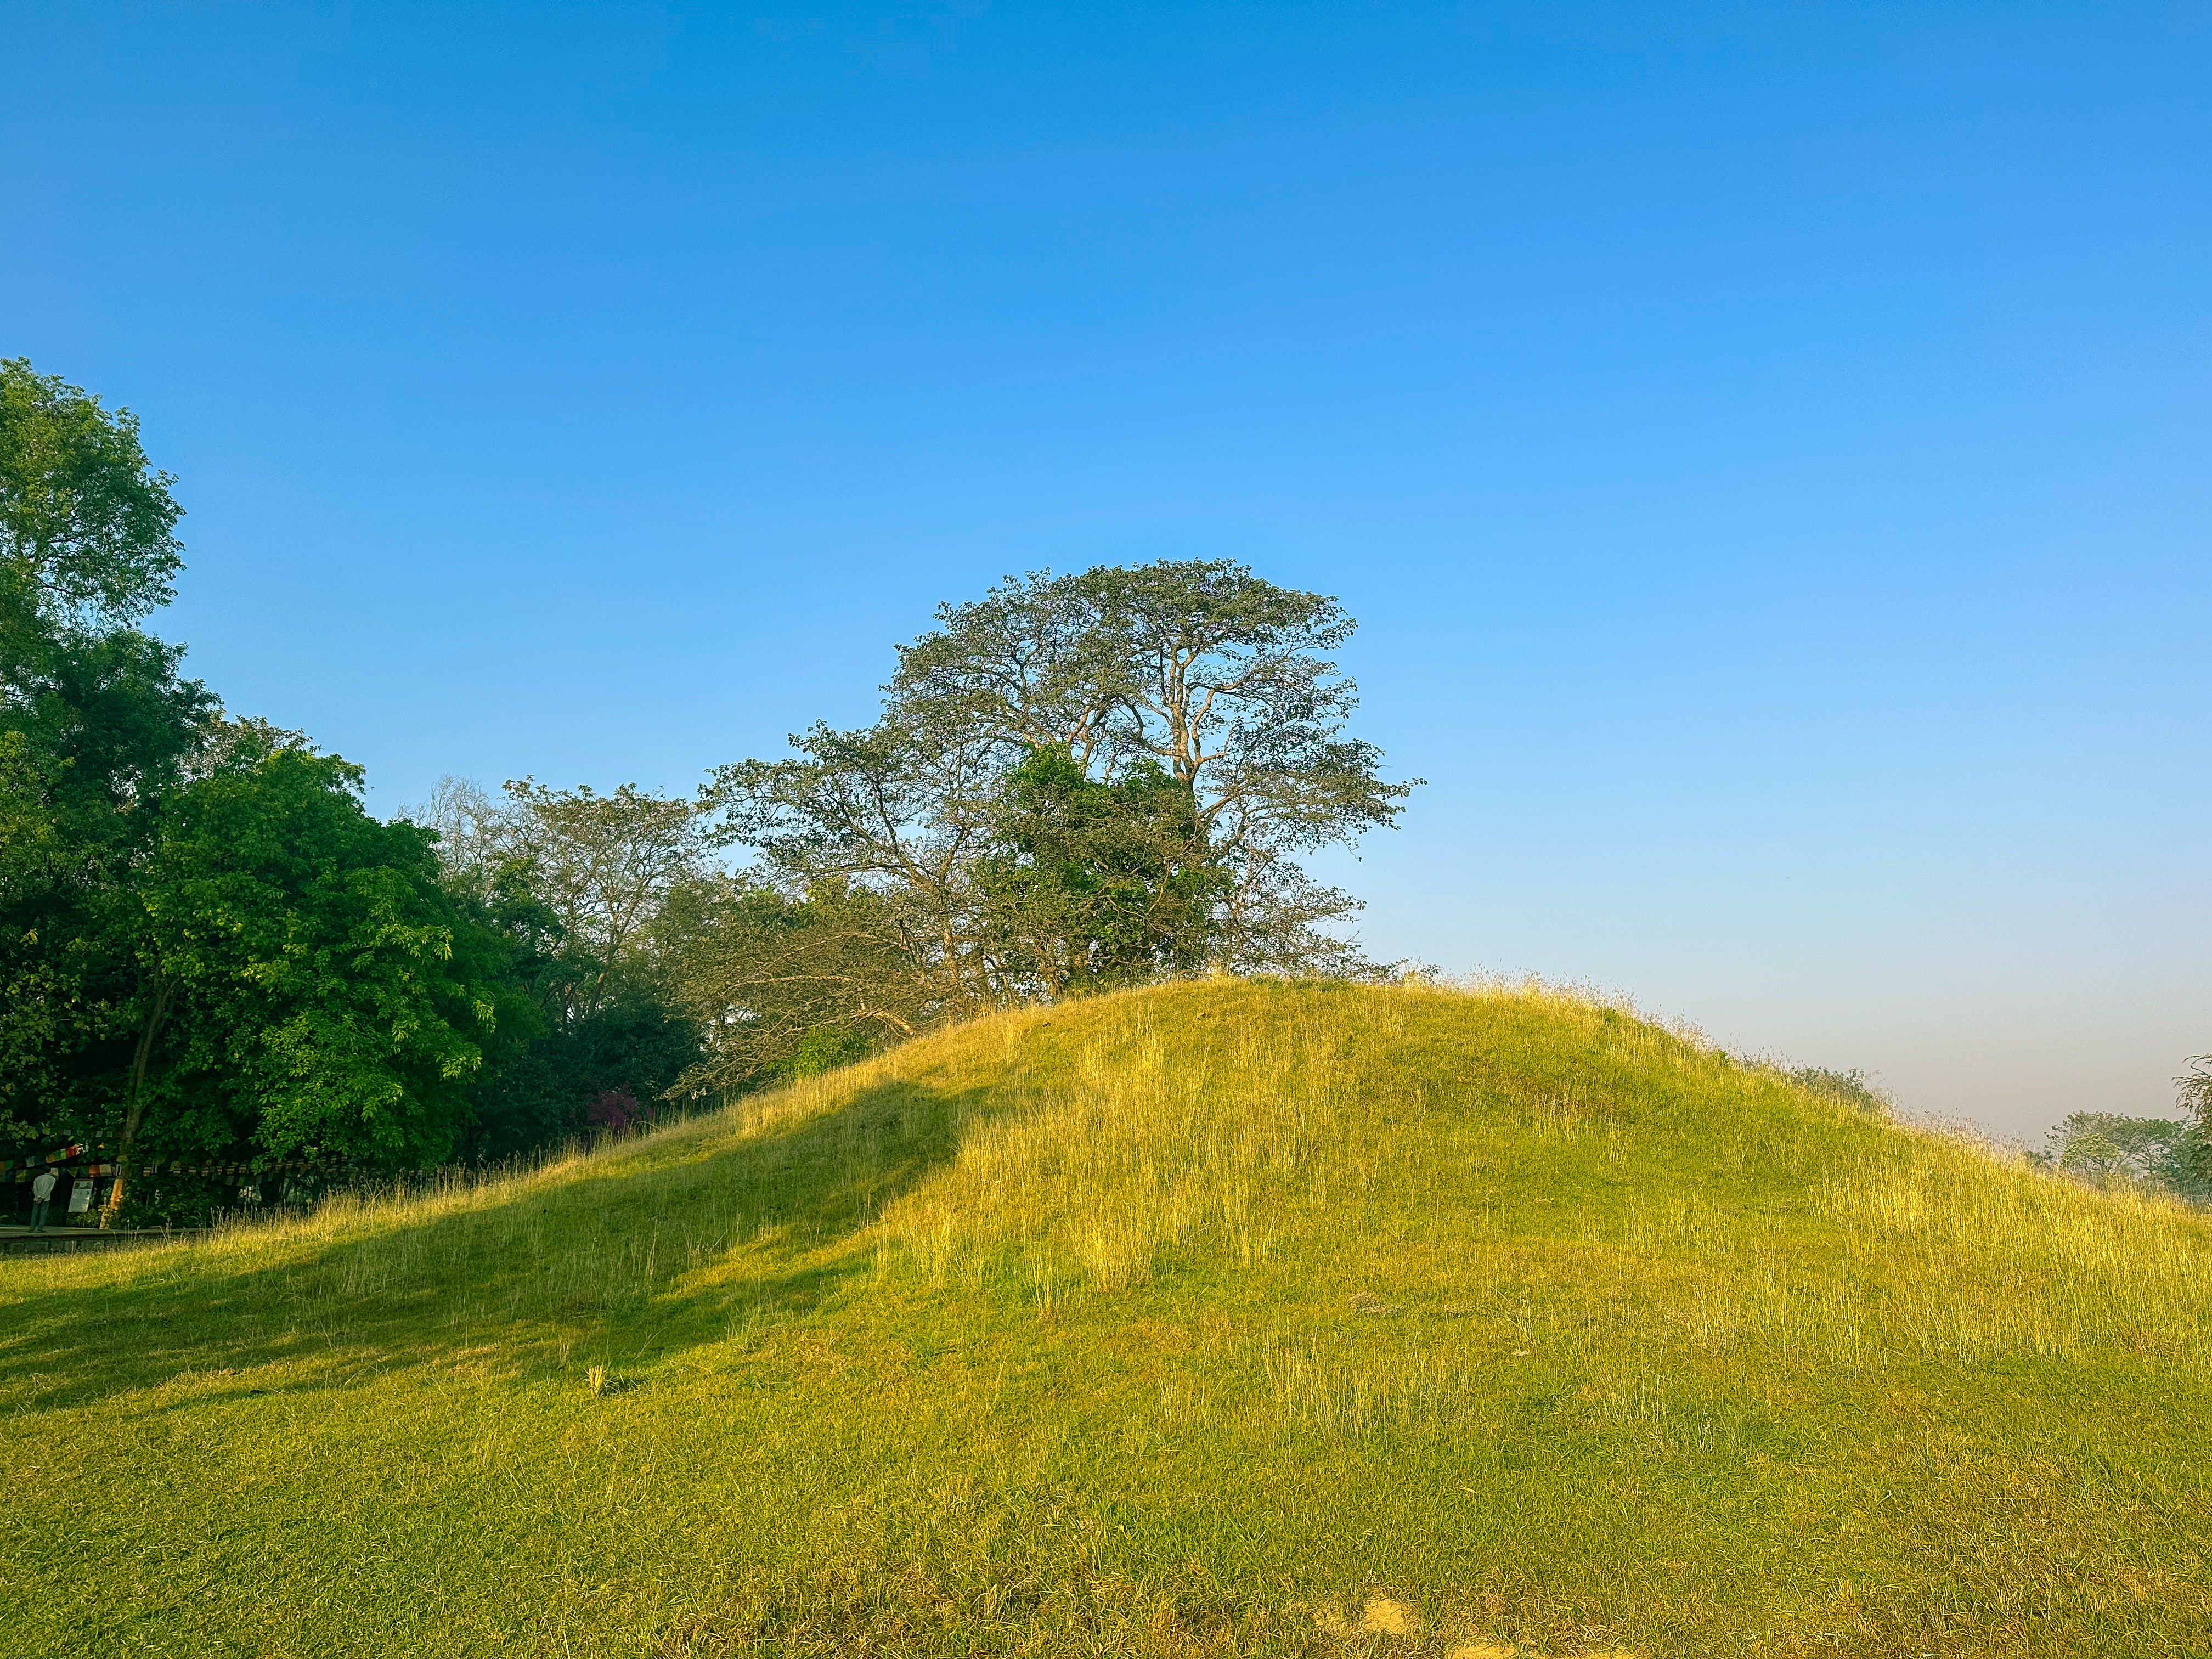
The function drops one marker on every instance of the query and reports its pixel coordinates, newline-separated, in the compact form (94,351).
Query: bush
(825,1048)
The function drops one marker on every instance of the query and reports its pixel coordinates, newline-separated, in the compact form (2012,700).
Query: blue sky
(1766,447)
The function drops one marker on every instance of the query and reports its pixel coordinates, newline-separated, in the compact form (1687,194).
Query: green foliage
(883,827)
(573,884)
(1215,674)
(322,992)
(96,729)
(1094,884)
(206,945)
(2193,1094)
(602,866)
(825,1048)
(86,523)
(634,1044)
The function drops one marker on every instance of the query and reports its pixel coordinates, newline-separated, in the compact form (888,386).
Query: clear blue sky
(1765,447)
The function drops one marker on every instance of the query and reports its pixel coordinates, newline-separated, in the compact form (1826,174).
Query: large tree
(308,986)
(1199,673)
(2193,1088)
(1219,676)
(781,982)
(600,864)
(1076,781)
(96,728)
(1220,679)
(905,810)
(86,523)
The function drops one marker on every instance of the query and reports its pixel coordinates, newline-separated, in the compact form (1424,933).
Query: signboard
(80,1197)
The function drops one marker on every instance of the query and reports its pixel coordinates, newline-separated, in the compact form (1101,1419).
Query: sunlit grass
(1208,1319)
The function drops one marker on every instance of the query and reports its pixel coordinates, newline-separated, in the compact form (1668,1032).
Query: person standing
(42,1194)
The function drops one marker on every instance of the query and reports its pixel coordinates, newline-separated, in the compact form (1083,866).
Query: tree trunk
(137,1108)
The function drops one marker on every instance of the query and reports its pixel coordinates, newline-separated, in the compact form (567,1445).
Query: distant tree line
(210,951)
(2166,1155)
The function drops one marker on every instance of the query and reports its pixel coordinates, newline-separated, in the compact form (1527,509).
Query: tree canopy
(306,980)
(86,525)
(1075,782)
(1218,677)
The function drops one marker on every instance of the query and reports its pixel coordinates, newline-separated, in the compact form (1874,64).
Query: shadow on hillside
(664,1244)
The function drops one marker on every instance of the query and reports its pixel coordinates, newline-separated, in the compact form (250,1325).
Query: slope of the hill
(1225,1318)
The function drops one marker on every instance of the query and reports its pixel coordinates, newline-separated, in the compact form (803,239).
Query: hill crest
(1189,1320)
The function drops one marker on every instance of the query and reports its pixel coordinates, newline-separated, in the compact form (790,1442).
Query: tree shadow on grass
(650,1248)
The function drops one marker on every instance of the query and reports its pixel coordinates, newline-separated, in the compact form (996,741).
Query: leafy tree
(86,524)
(1197,725)
(96,726)
(307,984)
(1094,884)
(204,940)
(2193,1092)
(1216,677)
(600,865)
(206,944)
(903,811)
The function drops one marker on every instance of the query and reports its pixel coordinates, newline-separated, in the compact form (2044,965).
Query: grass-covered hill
(1228,1318)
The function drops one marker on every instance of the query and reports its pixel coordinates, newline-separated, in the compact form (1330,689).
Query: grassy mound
(1227,1318)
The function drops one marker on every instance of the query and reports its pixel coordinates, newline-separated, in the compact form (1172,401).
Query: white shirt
(43,1187)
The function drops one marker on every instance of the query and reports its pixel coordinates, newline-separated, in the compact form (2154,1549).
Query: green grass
(1224,1318)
